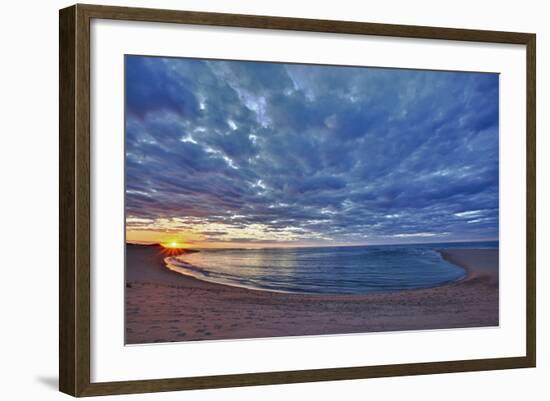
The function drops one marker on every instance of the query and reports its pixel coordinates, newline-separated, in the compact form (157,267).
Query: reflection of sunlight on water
(177,265)
(255,263)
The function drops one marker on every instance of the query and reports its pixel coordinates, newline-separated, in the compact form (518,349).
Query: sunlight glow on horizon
(193,232)
(174,240)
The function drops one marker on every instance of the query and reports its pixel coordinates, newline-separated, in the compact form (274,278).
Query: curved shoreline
(191,268)
(164,306)
(177,270)
(478,268)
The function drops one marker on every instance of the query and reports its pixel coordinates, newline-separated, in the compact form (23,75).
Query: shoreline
(482,269)
(164,306)
(446,254)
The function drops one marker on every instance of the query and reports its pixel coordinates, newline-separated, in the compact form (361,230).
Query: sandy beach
(164,306)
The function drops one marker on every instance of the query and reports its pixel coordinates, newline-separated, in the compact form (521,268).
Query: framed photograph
(250,200)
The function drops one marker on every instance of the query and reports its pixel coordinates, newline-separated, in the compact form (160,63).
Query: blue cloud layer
(340,154)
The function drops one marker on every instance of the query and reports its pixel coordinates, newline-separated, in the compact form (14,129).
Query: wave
(177,265)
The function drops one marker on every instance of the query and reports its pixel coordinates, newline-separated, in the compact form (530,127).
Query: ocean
(326,270)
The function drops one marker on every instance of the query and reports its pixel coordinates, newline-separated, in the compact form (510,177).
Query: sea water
(327,270)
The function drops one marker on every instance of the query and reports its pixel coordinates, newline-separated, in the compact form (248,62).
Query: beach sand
(164,306)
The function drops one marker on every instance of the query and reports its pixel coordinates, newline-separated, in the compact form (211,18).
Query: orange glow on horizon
(166,239)
(194,238)
(177,242)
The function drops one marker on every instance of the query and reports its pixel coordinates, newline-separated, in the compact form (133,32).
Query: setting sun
(173,248)
(173,245)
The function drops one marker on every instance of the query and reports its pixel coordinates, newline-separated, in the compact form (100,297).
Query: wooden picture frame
(74,203)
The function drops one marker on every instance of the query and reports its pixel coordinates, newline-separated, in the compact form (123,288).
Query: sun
(173,247)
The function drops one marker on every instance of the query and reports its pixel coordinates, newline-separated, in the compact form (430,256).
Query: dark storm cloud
(347,154)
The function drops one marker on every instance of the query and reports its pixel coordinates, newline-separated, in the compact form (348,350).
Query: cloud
(311,153)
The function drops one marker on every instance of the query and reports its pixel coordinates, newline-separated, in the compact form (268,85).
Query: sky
(252,154)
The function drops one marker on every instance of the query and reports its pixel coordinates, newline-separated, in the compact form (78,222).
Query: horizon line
(324,246)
